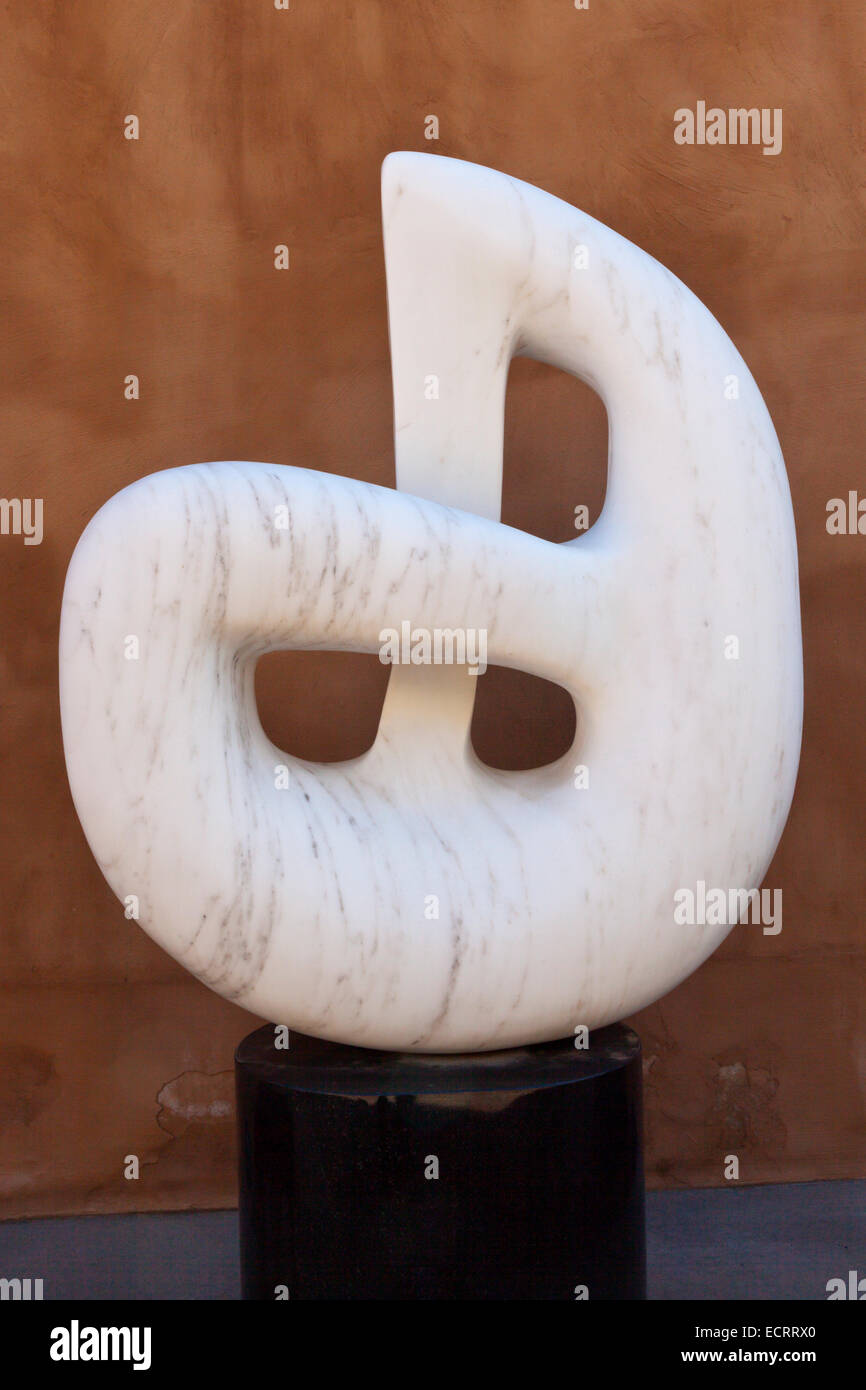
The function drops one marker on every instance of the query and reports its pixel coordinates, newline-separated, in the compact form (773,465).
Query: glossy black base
(501,1175)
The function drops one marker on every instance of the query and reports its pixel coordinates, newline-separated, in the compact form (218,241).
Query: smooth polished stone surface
(310,904)
(507,1175)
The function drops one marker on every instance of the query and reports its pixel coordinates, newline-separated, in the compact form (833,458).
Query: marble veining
(308,902)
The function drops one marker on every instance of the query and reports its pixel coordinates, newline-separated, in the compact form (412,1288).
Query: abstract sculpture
(673,623)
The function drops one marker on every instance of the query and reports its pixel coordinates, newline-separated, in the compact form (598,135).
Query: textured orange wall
(155,257)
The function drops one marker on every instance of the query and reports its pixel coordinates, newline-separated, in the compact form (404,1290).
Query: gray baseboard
(783,1241)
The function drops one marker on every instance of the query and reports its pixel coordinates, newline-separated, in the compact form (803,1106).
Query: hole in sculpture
(555,456)
(521,721)
(554,480)
(324,707)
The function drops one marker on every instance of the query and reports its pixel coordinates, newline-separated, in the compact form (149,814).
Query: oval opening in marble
(324,707)
(556,452)
(520,721)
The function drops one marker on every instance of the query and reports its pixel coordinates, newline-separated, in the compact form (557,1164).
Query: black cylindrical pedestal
(500,1175)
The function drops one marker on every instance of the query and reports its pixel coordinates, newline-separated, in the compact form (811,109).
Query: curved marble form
(311,904)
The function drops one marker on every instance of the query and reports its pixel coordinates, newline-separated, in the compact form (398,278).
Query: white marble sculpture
(673,622)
